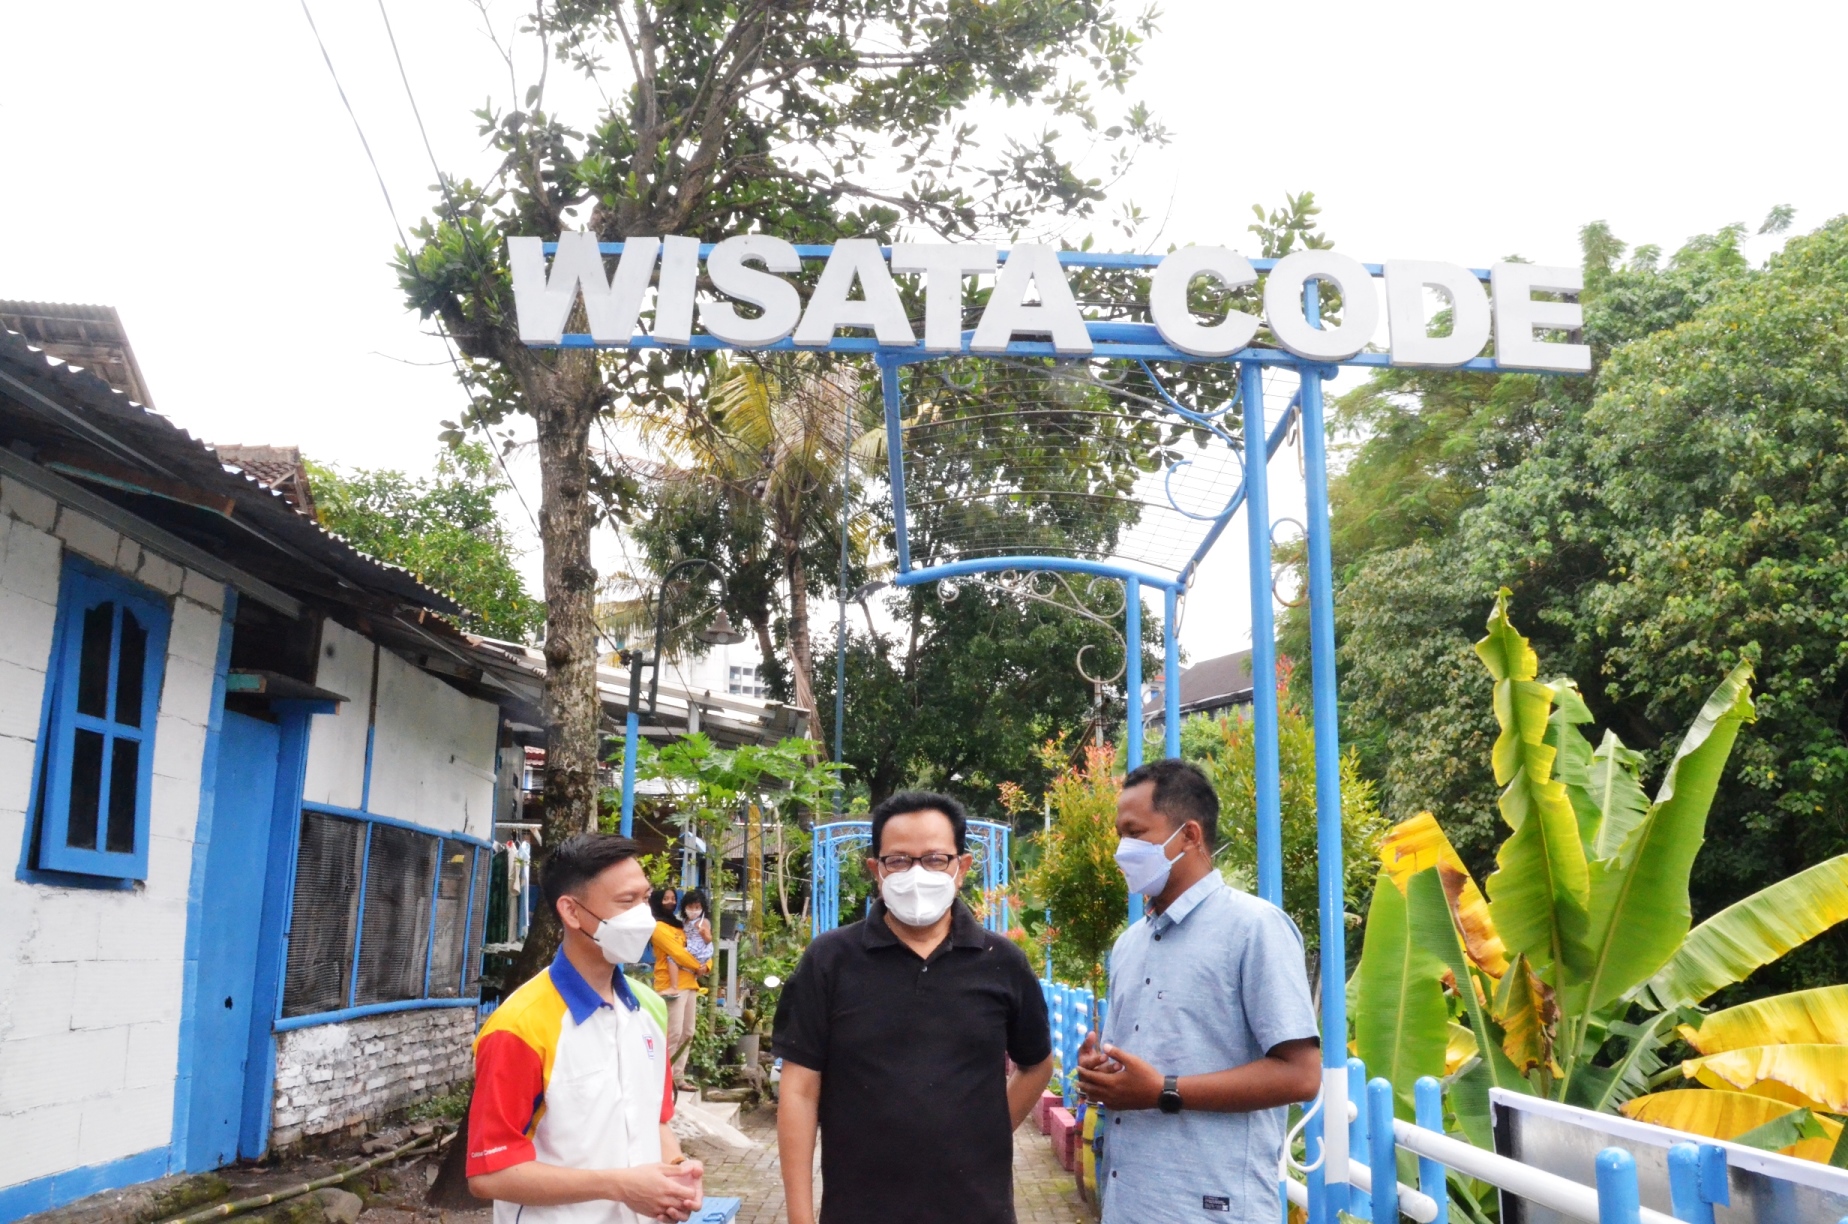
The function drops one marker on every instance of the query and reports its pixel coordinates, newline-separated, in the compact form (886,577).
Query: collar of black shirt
(965,928)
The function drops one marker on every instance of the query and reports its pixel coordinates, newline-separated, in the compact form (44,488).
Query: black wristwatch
(1169,1102)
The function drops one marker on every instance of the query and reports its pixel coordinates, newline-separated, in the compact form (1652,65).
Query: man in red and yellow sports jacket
(573,1078)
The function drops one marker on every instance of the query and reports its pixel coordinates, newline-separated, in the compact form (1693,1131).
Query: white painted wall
(336,771)
(90,980)
(432,752)
(432,746)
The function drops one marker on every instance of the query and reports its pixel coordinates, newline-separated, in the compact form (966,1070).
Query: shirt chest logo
(1214,1202)
(650,1043)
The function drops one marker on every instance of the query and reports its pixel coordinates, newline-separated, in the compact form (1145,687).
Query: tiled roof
(274,467)
(1212,684)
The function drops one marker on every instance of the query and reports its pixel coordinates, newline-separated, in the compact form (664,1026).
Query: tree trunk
(801,661)
(565,406)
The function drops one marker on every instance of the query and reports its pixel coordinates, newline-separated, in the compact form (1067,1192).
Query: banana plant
(1583,964)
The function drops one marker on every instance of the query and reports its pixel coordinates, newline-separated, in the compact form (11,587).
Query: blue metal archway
(1297,391)
(839,842)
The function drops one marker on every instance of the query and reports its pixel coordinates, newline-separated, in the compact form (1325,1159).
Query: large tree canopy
(443,528)
(1682,511)
(810,120)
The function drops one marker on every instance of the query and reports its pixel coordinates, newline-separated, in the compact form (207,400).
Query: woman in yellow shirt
(676,977)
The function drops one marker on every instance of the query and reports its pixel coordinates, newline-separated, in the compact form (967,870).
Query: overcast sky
(193,166)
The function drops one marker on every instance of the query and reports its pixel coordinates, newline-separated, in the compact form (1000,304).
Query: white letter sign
(1412,343)
(830,309)
(1032,299)
(1283,305)
(543,303)
(1037,267)
(1168,301)
(1517,315)
(776,297)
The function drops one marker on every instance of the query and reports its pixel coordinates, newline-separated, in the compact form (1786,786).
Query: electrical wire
(455,218)
(404,241)
(351,114)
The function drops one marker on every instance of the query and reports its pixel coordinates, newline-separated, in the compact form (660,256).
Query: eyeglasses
(936,860)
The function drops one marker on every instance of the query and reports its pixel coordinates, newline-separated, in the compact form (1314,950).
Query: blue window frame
(96,764)
(383,916)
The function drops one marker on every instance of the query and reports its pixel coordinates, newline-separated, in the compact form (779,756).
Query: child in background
(698,925)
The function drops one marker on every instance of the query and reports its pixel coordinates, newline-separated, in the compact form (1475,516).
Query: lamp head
(720,632)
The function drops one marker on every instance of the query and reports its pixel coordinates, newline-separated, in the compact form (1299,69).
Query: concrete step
(723,1111)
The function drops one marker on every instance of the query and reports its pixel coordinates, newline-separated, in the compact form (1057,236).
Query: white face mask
(624,937)
(918,896)
(1144,865)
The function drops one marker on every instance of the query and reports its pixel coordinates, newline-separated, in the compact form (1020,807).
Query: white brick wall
(90,979)
(334,1076)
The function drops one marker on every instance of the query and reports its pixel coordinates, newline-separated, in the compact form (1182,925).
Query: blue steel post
(895,458)
(1171,673)
(1428,1100)
(1382,1160)
(1132,692)
(1684,1185)
(1329,873)
(840,627)
(631,729)
(1617,1198)
(1268,790)
(1132,671)
(1358,1205)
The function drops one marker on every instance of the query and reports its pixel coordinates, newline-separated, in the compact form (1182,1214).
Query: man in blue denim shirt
(1211,1033)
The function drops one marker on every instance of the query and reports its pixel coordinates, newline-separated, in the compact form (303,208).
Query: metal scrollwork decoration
(1278,568)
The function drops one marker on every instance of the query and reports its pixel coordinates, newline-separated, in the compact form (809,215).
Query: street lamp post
(719,633)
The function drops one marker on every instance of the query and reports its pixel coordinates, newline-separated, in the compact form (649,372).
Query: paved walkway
(1043,1192)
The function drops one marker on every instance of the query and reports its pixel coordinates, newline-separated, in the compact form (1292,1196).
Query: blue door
(232,912)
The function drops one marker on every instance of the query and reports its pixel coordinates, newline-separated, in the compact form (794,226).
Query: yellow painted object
(1087,1154)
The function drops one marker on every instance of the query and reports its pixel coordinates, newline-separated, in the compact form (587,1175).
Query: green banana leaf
(1617,792)
(1574,763)
(1782,1132)
(1434,926)
(1639,896)
(1540,893)
(1603,1089)
(1755,931)
(1398,996)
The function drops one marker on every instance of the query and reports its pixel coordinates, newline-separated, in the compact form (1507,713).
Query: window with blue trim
(382,914)
(96,766)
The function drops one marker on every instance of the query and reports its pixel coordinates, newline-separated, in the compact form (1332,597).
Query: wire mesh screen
(1095,460)
(394,937)
(449,940)
(471,961)
(318,977)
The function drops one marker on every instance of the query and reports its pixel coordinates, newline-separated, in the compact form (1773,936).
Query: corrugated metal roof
(75,423)
(82,334)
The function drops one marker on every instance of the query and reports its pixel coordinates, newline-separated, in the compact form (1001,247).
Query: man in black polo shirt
(894,1033)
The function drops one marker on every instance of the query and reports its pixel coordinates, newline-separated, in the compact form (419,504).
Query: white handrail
(1415,1204)
(1549,1190)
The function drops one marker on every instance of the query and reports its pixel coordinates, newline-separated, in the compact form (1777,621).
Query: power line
(455,217)
(403,241)
(363,142)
